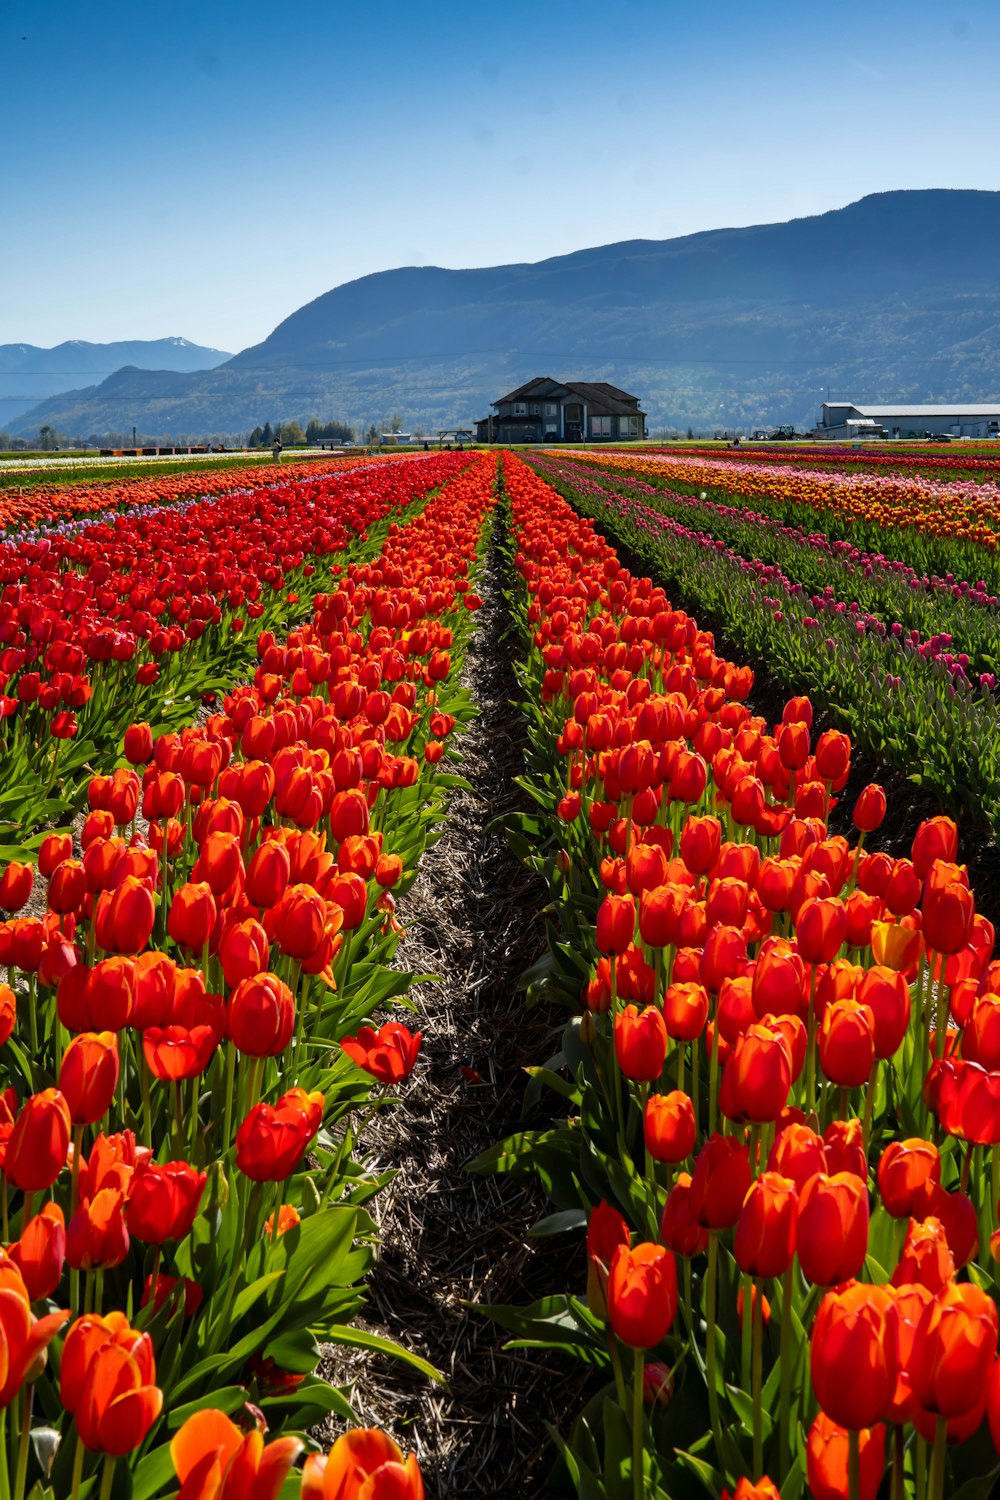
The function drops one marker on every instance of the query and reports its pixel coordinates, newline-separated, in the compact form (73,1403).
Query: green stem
(784,1363)
(711,1351)
(853,1464)
(695,1082)
(107,1477)
(745,1333)
(25,1443)
(757,1324)
(898,1489)
(920,1467)
(713,1077)
(811,1044)
(230,1080)
(78,1458)
(938,1459)
(869,1103)
(616,1365)
(637,1430)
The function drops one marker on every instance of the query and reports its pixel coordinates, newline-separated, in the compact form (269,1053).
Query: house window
(600,426)
(628,426)
(535,409)
(520,409)
(551,409)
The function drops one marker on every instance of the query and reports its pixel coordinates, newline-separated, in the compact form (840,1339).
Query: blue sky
(204,169)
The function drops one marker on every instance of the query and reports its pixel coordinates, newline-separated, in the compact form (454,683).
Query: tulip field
(231,716)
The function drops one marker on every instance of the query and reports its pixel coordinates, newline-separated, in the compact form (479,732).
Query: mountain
(896,296)
(28,373)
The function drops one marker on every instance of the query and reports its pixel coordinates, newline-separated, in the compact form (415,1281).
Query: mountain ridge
(30,373)
(895,296)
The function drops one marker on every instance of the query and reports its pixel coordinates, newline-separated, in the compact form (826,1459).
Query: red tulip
(765,1232)
(668,1126)
(389,1054)
(853,1359)
(827,1448)
(640,1043)
(954,1349)
(832,1229)
(272,1140)
(362,1465)
(37,1147)
(642,1294)
(89,1075)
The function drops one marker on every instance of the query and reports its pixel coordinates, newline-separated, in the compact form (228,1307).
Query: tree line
(288,434)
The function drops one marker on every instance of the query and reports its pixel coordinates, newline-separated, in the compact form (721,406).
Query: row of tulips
(780,1072)
(192,1047)
(141,614)
(933,526)
(35,501)
(971,461)
(945,620)
(918,712)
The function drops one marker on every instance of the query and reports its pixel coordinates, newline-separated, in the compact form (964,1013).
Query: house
(563,411)
(846,419)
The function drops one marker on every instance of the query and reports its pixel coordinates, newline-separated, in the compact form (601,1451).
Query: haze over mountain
(895,296)
(29,373)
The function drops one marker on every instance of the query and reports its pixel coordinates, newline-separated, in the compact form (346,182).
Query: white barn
(846,419)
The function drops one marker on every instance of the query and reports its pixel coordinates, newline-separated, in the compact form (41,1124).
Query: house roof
(609,398)
(535,387)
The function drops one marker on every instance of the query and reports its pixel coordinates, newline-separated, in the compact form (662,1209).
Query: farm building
(563,411)
(845,419)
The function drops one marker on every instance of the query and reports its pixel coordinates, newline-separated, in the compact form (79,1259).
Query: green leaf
(713,1481)
(229,1398)
(153,1472)
(559,1223)
(360,1338)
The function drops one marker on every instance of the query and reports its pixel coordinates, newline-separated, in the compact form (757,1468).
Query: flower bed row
(971,461)
(935,527)
(946,620)
(192,1045)
(914,711)
(140,615)
(39,503)
(780,1072)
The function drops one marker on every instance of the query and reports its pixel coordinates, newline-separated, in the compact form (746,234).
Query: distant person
(276,451)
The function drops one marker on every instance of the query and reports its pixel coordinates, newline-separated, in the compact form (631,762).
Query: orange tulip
(642,1294)
(107,1380)
(641,1042)
(903,1168)
(214,1460)
(954,1347)
(668,1126)
(827,1460)
(765,1233)
(36,1150)
(89,1074)
(362,1465)
(40,1252)
(23,1338)
(832,1228)
(853,1359)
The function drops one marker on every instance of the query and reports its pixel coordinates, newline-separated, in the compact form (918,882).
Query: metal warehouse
(845,419)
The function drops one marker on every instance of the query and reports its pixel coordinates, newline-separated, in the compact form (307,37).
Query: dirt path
(447,1238)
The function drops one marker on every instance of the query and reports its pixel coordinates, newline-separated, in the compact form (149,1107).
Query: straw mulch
(449,1239)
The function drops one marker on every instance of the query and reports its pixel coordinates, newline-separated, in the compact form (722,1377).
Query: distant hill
(895,296)
(29,373)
